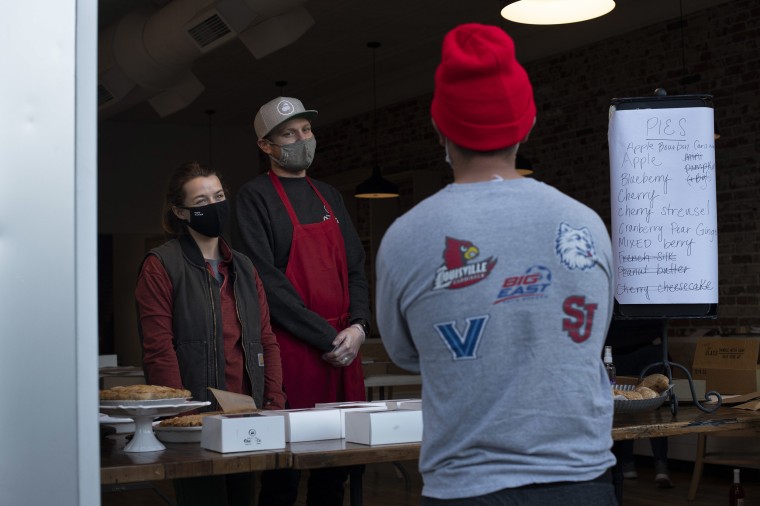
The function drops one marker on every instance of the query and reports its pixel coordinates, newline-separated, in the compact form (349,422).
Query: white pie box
(350,408)
(410,404)
(310,424)
(384,427)
(354,404)
(243,433)
(404,403)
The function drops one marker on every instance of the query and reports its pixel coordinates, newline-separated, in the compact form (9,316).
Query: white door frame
(49,437)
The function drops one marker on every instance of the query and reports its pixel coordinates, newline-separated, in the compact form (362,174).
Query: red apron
(318,270)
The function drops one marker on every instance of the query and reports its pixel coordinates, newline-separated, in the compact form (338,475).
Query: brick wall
(568,147)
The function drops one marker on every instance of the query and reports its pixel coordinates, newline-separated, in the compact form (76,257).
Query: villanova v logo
(463,346)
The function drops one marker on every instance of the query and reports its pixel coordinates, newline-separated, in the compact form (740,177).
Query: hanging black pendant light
(523,166)
(376,187)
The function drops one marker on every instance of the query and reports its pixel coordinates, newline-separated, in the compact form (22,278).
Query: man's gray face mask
(297,156)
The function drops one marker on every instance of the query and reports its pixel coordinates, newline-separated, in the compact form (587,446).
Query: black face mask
(211,219)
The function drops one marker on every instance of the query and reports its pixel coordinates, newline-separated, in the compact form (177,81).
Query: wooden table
(337,452)
(189,460)
(180,460)
(688,420)
(186,460)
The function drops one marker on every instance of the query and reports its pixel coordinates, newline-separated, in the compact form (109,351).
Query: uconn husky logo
(463,346)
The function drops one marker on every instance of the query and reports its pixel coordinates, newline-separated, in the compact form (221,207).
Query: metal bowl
(638,406)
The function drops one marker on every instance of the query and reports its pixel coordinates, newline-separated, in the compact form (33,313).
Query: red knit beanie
(483,99)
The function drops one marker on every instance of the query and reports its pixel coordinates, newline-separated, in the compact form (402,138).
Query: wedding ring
(345,359)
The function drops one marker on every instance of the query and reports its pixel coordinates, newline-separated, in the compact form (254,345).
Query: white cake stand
(143,413)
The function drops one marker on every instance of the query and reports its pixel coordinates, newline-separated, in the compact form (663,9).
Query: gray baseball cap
(277,111)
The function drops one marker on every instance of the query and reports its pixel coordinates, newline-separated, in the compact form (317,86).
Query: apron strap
(324,202)
(285,200)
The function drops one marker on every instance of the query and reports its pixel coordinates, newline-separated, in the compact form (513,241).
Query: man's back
(500,294)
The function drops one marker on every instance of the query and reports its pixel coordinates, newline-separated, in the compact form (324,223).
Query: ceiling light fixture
(555,12)
(376,187)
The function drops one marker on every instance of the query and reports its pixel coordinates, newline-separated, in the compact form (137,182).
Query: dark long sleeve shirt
(266,234)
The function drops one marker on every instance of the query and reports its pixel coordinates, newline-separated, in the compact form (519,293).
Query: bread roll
(646,392)
(657,382)
(629,395)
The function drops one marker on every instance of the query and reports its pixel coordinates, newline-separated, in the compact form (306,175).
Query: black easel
(666,364)
(661,100)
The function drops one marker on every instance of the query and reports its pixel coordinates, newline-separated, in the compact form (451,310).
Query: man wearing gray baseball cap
(301,239)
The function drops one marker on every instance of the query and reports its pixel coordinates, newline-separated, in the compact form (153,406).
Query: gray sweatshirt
(500,295)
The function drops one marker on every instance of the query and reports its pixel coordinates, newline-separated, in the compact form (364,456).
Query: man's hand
(346,346)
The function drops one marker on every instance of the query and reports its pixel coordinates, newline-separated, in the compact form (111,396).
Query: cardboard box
(384,427)
(243,433)
(728,365)
(309,424)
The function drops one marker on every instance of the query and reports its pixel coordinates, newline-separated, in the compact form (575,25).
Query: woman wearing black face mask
(203,318)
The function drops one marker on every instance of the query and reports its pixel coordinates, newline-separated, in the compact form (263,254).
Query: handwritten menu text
(664,219)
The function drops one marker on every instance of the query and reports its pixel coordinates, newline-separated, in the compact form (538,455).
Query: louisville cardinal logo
(460,267)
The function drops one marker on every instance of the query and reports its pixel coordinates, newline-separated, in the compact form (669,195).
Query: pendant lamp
(523,165)
(555,12)
(376,187)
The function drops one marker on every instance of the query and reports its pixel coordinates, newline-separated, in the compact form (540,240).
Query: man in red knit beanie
(483,99)
(493,288)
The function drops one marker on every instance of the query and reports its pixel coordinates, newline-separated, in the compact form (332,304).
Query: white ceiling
(330,67)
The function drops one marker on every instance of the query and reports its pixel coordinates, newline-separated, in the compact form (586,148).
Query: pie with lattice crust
(143,393)
(186,420)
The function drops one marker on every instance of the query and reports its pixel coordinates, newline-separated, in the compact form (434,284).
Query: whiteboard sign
(663,200)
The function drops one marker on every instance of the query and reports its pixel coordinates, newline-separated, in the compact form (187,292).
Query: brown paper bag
(234,403)
(749,401)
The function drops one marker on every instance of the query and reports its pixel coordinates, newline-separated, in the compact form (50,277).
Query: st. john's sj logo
(460,267)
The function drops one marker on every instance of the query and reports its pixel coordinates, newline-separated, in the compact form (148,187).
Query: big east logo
(459,268)
(532,284)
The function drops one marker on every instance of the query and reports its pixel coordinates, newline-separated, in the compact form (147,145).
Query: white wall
(48,326)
